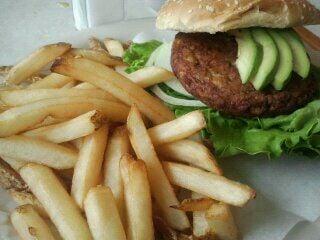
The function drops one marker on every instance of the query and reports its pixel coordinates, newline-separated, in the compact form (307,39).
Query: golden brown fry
(211,185)
(137,199)
(177,129)
(95,44)
(97,56)
(34,150)
(78,127)
(22,97)
(87,170)
(35,62)
(118,145)
(147,76)
(114,83)
(194,153)
(18,119)
(61,208)
(114,47)
(102,215)
(221,222)
(161,189)
(193,205)
(53,80)
(29,224)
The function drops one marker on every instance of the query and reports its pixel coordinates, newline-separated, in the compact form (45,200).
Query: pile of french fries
(94,156)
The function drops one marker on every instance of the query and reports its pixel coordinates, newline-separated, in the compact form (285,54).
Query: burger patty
(205,65)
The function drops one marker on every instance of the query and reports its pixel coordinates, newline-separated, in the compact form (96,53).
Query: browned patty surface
(205,65)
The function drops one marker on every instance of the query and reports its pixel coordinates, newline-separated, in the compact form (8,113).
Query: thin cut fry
(87,170)
(102,215)
(53,80)
(97,56)
(34,150)
(114,83)
(61,208)
(85,85)
(194,153)
(211,185)
(137,199)
(35,62)
(201,226)
(221,222)
(95,44)
(118,145)
(177,129)
(147,76)
(193,205)
(161,189)
(18,119)
(75,128)
(114,47)
(29,224)
(21,97)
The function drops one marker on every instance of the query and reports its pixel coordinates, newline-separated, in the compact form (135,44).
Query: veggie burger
(243,65)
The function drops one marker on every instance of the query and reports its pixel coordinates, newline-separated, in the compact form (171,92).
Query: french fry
(61,208)
(147,76)
(23,198)
(161,189)
(102,215)
(221,222)
(98,56)
(114,47)
(19,119)
(14,163)
(114,83)
(87,170)
(35,62)
(29,225)
(48,121)
(193,205)
(22,97)
(95,44)
(69,85)
(85,85)
(137,199)
(200,225)
(78,127)
(194,153)
(33,150)
(208,184)
(177,129)
(53,80)
(118,145)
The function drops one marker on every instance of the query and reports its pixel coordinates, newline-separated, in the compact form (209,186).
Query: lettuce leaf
(138,54)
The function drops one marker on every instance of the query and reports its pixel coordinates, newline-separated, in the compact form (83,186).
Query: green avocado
(301,62)
(248,55)
(265,72)
(285,65)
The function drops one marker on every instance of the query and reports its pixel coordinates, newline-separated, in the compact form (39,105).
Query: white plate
(288,188)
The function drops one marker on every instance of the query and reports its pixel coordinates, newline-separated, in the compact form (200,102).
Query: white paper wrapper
(288,200)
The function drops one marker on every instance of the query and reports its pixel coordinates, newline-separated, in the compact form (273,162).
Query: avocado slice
(285,65)
(248,54)
(301,62)
(269,61)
